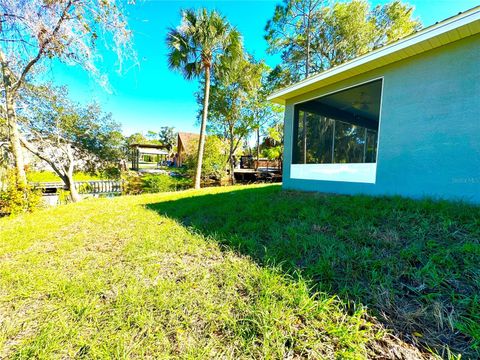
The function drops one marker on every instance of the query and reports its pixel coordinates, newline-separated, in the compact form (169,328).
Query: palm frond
(201,40)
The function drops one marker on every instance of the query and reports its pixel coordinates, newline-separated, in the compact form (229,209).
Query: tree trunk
(201,143)
(13,134)
(16,146)
(70,183)
(232,165)
(307,60)
(258,147)
(307,72)
(307,34)
(69,176)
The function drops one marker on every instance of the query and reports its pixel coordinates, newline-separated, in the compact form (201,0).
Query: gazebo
(140,151)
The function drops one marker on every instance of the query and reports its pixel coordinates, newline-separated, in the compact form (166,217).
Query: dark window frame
(368,124)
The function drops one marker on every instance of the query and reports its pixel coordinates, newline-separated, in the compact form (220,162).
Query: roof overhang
(452,29)
(151,151)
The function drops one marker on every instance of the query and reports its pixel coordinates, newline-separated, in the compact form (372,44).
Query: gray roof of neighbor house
(449,30)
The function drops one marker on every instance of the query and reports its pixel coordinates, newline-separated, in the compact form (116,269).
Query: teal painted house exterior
(427,123)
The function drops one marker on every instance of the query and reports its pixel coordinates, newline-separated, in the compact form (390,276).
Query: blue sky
(150,96)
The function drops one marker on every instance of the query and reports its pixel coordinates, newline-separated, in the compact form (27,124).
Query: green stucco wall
(429,139)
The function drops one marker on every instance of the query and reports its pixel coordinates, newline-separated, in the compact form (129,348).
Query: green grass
(415,264)
(50,176)
(220,273)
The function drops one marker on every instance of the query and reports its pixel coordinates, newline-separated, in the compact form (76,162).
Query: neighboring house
(185,144)
(403,119)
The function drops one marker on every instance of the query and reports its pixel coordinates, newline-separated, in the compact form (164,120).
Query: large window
(340,128)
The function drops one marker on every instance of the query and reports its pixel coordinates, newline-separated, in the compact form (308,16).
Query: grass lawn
(241,272)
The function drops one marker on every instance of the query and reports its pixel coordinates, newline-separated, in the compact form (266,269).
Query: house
(185,143)
(401,120)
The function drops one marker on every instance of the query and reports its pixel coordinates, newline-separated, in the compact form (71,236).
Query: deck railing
(84,187)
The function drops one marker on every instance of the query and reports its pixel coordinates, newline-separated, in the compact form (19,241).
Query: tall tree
(273,142)
(312,36)
(230,96)
(197,47)
(35,31)
(291,33)
(352,28)
(262,112)
(151,136)
(66,135)
(166,136)
(136,138)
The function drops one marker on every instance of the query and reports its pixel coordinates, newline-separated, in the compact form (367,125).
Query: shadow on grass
(415,264)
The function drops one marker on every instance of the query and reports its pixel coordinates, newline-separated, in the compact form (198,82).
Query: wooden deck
(261,174)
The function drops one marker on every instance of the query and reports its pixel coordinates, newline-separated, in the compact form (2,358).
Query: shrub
(64,197)
(135,184)
(162,182)
(132,183)
(111,172)
(15,199)
(156,183)
(215,158)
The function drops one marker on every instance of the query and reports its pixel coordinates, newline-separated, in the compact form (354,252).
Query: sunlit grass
(219,273)
(112,279)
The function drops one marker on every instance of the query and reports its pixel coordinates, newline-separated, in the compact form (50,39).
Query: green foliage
(155,183)
(64,197)
(203,40)
(312,37)
(135,184)
(230,118)
(201,45)
(137,138)
(17,198)
(273,153)
(393,21)
(272,146)
(65,134)
(279,77)
(214,159)
(167,136)
(50,176)
(151,135)
(132,183)
(109,172)
(265,115)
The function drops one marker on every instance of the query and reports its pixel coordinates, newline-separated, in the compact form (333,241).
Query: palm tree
(201,42)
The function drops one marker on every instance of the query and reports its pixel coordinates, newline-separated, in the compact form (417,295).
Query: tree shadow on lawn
(415,264)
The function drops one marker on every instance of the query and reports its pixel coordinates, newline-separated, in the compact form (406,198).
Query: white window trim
(359,172)
(351,172)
